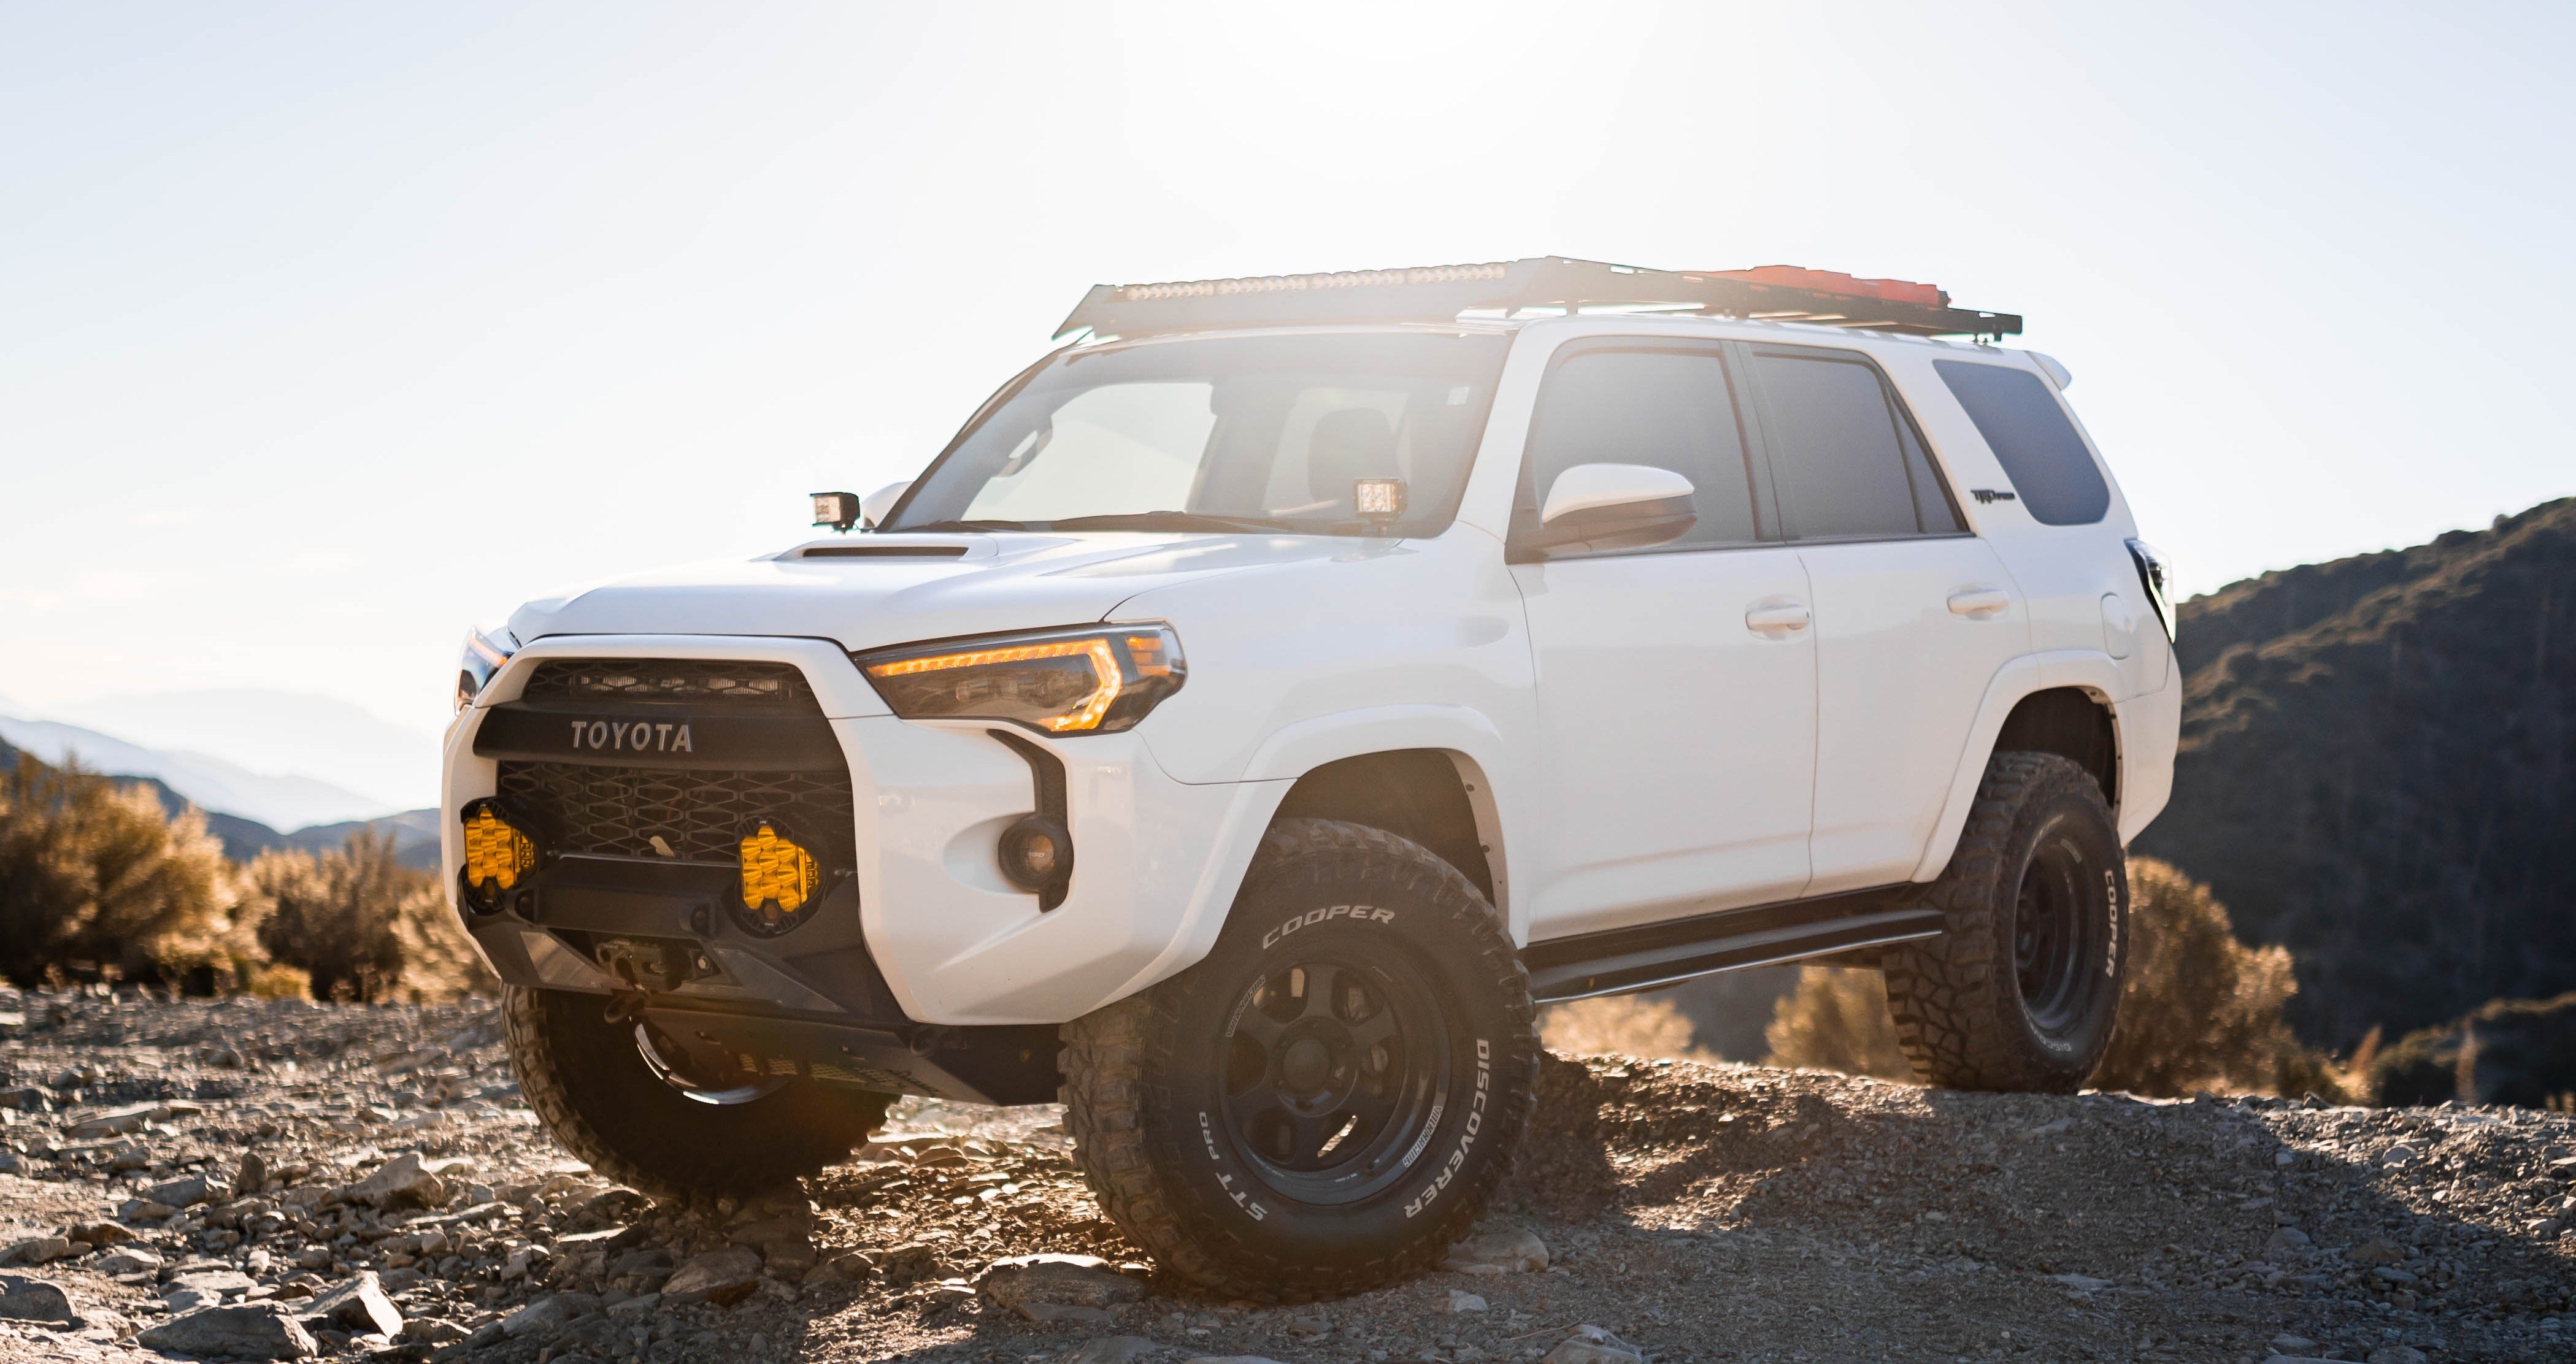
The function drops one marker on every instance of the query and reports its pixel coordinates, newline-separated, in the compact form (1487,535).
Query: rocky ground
(278,1179)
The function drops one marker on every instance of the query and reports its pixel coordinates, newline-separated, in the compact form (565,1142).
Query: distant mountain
(281,802)
(331,740)
(2378,769)
(415,832)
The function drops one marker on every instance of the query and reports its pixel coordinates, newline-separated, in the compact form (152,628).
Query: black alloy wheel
(1333,1066)
(2058,926)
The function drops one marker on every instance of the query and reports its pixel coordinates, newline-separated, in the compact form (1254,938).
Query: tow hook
(624,1005)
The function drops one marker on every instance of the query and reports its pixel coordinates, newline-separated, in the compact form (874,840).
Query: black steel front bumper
(657,941)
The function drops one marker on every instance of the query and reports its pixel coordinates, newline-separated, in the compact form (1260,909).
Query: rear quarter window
(2027,429)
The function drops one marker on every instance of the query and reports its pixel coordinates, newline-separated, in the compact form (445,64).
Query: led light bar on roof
(1439,293)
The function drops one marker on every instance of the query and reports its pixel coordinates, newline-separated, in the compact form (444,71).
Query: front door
(1676,684)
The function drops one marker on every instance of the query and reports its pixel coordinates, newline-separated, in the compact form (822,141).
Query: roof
(1440,293)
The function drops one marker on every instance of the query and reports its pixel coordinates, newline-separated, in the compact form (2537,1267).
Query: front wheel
(606,1094)
(2023,987)
(1325,1102)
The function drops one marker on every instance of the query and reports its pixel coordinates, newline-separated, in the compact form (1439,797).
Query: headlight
(485,652)
(1093,681)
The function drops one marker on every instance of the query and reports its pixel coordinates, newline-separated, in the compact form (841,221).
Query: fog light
(497,854)
(778,879)
(1036,853)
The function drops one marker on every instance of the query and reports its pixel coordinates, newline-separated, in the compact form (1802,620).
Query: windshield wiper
(1168,520)
(958,525)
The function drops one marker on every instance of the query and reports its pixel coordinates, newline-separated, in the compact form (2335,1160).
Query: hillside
(415,832)
(2378,769)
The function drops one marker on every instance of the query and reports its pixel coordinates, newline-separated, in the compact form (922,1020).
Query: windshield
(1222,433)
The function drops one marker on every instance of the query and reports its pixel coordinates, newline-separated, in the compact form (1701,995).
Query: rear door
(1677,734)
(1913,615)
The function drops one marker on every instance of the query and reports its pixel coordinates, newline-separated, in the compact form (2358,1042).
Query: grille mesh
(696,681)
(616,811)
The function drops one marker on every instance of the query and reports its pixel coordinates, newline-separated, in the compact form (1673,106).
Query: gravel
(364,1183)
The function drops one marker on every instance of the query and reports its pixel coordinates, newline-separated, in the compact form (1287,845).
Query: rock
(907,1264)
(1312,1324)
(2288,1344)
(403,1182)
(619,1204)
(251,1175)
(358,1306)
(130,1260)
(1502,1250)
(1111,1350)
(25,1299)
(36,1250)
(256,1330)
(722,1277)
(143,1210)
(1592,1345)
(2287,1240)
(99,1234)
(1046,1313)
(644,1305)
(1026,1282)
(1229,1359)
(432,1331)
(2396,1354)
(1463,1301)
(2374,1252)
(225,1282)
(543,1316)
(786,1243)
(114,1122)
(186,1191)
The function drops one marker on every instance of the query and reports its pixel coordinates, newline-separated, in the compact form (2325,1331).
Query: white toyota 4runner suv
(1274,695)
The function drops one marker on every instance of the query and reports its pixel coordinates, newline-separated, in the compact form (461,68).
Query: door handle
(1777,619)
(1979,602)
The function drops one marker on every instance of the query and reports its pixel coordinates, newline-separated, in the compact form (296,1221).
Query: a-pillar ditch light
(840,511)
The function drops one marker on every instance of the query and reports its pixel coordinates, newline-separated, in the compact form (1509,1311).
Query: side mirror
(1615,506)
(874,506)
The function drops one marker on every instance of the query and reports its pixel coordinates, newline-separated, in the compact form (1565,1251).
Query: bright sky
(328,329)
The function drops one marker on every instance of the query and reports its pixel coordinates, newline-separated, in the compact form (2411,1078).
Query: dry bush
(96,881)
(1624,1025)
(1837,1020)
(2202,1010)
(361,925)
(2199,1009)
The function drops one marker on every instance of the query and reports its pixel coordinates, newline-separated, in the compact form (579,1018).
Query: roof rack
(1440,293)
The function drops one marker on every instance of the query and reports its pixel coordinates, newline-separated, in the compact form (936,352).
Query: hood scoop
(883,552)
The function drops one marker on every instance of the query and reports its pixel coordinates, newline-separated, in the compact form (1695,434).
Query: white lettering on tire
(1325,914)
(1467,1134)
(1242,1197)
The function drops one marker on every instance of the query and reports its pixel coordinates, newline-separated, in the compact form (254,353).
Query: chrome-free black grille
(686,681)
(699,816)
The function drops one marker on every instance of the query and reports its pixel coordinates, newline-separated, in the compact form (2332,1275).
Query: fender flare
(2083,669)
(1471,739)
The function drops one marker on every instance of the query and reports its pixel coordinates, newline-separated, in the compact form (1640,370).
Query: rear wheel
(609,1096)
(1325,1102)
(2023,987)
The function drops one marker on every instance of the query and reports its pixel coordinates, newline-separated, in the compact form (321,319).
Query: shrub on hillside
(1623,1025)
(2507,1051)
(361,925)
(1837,1020)
(97,882)
(2199,1009)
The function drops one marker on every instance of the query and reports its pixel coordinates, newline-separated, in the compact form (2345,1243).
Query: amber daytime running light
(1061,682)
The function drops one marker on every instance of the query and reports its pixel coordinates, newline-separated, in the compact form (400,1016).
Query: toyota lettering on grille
(641,736)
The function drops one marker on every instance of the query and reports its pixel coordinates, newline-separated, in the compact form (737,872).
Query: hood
(870,591)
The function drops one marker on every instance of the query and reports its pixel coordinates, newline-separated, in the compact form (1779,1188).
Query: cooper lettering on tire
(1326,1101)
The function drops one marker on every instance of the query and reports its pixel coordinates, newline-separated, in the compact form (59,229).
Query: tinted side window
(2031,437)
(1847,460)
(1669,408)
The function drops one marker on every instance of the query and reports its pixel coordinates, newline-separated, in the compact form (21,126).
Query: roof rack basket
(1440,293)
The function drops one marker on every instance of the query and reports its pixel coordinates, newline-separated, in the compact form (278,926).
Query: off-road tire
(1147,1079)
(590,1086)
(1958,1000)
